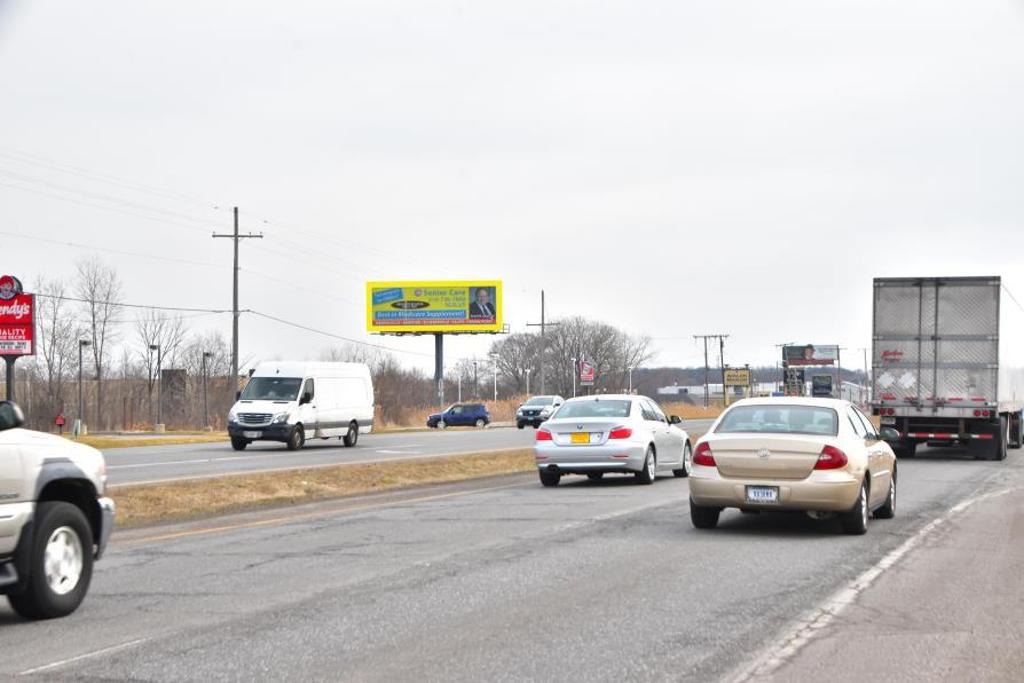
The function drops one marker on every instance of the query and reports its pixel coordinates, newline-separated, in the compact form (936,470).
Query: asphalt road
(502,579)
(165,463)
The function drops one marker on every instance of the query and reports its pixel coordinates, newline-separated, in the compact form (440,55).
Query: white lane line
(384,451)
(812,625)
(180,462)
(87,655)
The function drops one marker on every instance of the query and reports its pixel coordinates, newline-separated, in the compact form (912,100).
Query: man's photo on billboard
(482,303)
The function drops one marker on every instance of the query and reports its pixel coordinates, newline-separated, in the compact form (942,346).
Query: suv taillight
(620,433)
(831,458)
(703,456)
(543,435)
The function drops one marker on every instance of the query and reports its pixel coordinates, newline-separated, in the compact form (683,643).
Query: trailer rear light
(543,435)
(831,458)
(977,413)
(889,411)
(703,456)
(986,413)
(620,433)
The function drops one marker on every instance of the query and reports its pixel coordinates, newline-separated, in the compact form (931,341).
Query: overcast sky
(674,167)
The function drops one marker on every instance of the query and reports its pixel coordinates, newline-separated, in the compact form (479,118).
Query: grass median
(104,442)
(194,498)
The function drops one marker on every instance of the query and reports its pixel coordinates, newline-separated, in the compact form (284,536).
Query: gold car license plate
(762,494)
(581,437)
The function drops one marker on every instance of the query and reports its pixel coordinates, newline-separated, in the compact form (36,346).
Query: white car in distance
(623,434)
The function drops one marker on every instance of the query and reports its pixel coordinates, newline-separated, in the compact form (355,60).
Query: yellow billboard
(449,306)
(737,377)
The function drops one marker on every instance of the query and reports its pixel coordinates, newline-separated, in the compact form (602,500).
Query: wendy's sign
(17,318)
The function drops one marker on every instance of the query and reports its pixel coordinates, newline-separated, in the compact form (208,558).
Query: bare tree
(610,350)
(518,356)
(168,333)
(100,287)
(57,340)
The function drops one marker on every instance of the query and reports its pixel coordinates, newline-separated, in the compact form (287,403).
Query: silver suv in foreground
(54,519)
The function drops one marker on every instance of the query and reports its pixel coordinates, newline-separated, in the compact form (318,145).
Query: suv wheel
(480,424)
(441,424)
(238,443)
(60,563)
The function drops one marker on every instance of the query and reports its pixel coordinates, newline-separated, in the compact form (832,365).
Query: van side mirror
(306,398)
(675,420)
(890,434)
(11,415)
(238,395)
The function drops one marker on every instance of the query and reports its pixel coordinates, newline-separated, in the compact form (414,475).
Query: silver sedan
(595,435)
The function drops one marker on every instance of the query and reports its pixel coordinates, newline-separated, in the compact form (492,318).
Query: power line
(123,252)
(145,306)
(336,336)
(1007,289)
(24,157)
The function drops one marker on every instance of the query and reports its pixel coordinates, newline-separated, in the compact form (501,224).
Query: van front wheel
(297,438)
(352,436)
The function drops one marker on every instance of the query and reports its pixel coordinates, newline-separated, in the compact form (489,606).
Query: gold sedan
(818,455)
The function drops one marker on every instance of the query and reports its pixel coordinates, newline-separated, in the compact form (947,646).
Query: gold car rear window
(780,419)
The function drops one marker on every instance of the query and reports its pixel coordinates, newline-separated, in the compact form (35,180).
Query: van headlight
(232,416)
(280,418)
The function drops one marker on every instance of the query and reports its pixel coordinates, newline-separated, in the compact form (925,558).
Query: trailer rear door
(936,341)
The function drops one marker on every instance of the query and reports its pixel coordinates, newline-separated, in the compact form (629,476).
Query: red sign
(17,319)
(59,421)
(587,372)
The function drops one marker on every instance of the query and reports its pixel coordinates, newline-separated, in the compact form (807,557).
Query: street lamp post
(476,379)
(527,381)
(82,343)
(494,362)
(206,402)
(630,379)
(573,377)
(159,383)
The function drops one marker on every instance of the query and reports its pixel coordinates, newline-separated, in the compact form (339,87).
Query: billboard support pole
(10,376)
(439,366)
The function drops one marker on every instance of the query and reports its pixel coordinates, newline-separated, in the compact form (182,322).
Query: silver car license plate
(762,494)
(252,435)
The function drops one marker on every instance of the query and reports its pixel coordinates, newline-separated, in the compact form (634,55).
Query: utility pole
(543,325)
(707,368)
(866,392)
(234,301)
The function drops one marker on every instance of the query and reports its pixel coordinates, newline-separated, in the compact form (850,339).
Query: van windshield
(272,389)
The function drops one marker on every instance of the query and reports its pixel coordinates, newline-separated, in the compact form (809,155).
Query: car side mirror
(675,420)
(890,434)
(306,398)
(11,415)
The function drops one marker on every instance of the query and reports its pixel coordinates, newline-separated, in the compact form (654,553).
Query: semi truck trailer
(936,373)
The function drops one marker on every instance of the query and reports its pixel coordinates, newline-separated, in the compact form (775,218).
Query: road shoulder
(950,610)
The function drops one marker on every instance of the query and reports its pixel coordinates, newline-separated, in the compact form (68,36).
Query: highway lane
(165,463)
(489,580)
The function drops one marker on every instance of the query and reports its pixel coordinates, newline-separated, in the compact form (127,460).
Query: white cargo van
(291,401)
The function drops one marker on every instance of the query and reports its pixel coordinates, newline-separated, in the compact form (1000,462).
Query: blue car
(461,415)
